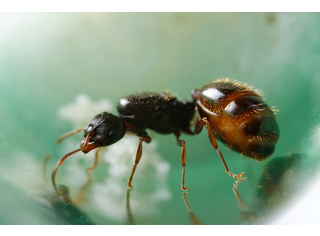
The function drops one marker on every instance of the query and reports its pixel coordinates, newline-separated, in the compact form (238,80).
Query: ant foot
(184,188)
(130,187)
(240,175)
(236,176)
(235,184)
(185,193)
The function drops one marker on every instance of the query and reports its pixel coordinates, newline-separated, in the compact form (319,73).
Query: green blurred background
(47,59)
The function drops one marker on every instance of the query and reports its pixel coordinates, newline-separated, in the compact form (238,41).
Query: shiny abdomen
(239,118)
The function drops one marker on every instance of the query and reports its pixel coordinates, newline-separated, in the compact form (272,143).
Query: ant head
(103,130)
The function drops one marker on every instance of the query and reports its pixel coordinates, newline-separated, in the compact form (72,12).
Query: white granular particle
(108,197)
(82,110)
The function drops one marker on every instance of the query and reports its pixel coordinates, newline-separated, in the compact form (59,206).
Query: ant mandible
(232,112)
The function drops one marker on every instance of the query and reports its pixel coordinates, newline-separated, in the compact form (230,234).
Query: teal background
(47,59)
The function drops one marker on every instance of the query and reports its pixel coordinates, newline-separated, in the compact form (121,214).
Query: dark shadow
(281,178)
(62,209)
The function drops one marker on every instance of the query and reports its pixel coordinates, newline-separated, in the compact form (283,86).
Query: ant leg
(177,134)
(235,184)
(95,160)
(130,218)
(147,139)
(66,135)
(214,144)
(80,196)
(193,217)
(239,199)
(183,158)
(246,211)
(183,161)
(187,131)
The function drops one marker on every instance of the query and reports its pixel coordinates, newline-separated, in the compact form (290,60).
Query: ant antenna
(66,135)
(62,159)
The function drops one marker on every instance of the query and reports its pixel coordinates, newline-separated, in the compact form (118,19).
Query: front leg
(183,159)
(147,139)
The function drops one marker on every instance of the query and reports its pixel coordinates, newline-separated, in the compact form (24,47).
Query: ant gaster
(236,115)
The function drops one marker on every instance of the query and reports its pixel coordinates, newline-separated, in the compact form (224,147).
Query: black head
(103,130)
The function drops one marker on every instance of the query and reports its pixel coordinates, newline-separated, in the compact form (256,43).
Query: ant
(160,112)
(232,112)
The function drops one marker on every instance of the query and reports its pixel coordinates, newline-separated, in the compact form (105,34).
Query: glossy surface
(239,117)
(105,129)
(161,112)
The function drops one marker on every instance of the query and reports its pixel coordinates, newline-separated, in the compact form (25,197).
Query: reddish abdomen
(239,118)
